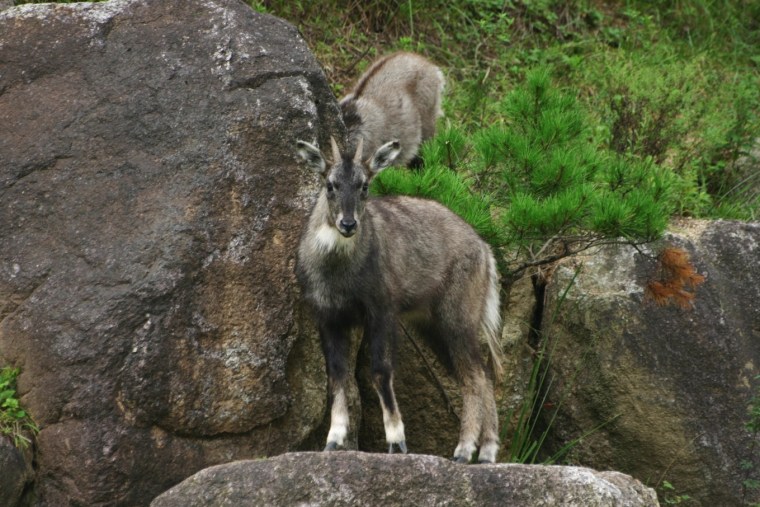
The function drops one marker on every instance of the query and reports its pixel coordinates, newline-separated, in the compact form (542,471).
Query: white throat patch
(327,238)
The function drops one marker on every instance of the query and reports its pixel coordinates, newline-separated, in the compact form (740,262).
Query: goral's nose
(348,225)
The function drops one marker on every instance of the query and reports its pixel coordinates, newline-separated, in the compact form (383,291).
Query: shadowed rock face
(17,473)
(150,208)
(673,386)
(351,478)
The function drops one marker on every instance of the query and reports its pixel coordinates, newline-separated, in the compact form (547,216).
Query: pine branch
(569,252)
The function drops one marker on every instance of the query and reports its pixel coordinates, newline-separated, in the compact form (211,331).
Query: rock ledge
(356,478)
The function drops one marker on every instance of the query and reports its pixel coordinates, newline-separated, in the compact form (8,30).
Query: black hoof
(331,446)
(401,446)
(460,460)
(484,462)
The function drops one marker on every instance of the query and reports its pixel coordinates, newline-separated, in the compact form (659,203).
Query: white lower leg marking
(394,431)
(338,419)
(465,450)
(488,452)
(394,426)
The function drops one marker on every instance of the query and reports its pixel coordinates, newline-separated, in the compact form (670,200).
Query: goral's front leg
(335,344)
(336,437)
(382,335)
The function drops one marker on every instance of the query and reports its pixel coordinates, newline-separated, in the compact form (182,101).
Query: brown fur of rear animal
(366,262)
(398,97)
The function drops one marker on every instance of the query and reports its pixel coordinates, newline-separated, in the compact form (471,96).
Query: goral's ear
(312,156)
(384,157)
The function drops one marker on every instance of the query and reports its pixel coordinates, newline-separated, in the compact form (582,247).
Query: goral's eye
(365,187)
(330,187)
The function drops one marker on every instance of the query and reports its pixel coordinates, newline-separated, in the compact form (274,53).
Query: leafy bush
(659,106)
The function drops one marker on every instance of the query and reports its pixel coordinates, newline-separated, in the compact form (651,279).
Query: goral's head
(347,180)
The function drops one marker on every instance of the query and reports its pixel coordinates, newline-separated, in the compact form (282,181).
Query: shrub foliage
(15,422)
(535,185)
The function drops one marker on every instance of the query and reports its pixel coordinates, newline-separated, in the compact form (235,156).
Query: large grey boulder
(150,208)
(671,387)
(349,478)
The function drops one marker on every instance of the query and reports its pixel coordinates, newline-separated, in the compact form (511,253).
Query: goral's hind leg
(478,419)
(472,418)
(489,433)
(459,318)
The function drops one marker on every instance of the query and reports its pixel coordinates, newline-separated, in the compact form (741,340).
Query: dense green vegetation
(15,423)
(674,85)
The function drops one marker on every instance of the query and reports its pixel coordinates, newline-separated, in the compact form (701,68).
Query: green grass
(674,82)
(15,422)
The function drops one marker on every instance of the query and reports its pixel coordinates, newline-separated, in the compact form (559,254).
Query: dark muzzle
(347,227)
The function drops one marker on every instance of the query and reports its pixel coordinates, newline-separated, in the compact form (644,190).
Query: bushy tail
(491,322)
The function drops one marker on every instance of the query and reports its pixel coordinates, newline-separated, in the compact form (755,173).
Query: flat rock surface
(353,478)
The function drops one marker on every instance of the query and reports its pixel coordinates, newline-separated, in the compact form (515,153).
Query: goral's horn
(335,150)
(359,147)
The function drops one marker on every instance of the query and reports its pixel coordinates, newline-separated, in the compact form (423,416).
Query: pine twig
(431,371)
